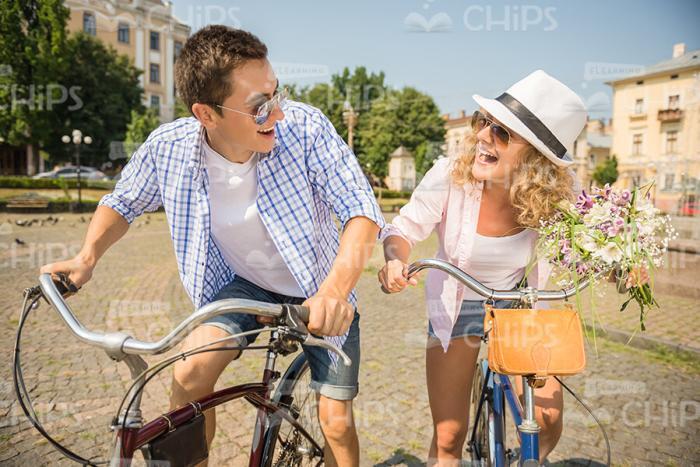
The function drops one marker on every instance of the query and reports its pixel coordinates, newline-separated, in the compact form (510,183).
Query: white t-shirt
(237,228)
(499,262)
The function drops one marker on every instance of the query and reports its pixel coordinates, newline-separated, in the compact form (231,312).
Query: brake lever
(317,342)
(293,321)
(64,285)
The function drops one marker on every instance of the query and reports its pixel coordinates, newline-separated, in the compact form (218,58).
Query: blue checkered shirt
(308,177)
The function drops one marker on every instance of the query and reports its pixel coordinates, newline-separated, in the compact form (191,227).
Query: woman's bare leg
(449,376)
(549,413)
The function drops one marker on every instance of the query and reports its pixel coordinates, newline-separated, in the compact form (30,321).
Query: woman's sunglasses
(262,114)
(498,132)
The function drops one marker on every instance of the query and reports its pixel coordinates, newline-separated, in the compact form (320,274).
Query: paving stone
(136,287)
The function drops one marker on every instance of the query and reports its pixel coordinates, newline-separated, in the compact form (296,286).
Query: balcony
(638,116)
(670,115)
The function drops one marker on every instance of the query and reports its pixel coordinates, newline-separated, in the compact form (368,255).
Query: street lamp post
(77,138)
(350,120)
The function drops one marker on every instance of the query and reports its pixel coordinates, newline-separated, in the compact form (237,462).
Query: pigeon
(19,242)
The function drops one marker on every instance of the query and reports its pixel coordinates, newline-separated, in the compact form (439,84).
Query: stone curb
(643,342)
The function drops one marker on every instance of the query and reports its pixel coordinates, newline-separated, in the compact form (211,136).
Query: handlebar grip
(302,312)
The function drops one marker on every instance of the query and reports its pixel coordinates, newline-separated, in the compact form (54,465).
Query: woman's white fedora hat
(543,111)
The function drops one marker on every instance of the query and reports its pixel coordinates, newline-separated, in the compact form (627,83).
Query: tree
(138,129)
(32,41)
(181,109)
(358,87)
(387,118)
(406,117)
(106,89)
(606,172)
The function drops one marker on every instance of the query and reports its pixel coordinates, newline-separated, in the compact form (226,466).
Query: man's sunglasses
(262,114)
(498,132)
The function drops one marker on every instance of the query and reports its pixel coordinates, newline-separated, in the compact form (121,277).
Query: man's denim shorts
(331,379)
(470,321)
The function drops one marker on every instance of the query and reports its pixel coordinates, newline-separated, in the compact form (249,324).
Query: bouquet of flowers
(609,231)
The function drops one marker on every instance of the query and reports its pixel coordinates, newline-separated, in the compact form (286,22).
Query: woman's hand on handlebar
(393,277)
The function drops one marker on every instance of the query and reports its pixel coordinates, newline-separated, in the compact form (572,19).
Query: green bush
(60,184)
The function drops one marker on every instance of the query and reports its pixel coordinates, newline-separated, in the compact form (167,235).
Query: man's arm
(335,314)
(105,229)
(137,191)
(339,180)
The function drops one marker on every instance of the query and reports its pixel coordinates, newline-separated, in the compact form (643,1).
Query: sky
(451,49)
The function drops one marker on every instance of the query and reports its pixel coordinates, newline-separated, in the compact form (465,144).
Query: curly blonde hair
(536,188)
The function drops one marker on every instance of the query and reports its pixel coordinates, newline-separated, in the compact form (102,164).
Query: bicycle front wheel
(480,445)
(300,444)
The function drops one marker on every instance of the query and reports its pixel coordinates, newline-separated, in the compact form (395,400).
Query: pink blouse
(453,210)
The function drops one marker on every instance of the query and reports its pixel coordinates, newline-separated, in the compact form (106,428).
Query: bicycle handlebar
(487,292)
(119,344)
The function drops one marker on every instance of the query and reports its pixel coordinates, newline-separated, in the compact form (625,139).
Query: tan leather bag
(532,342)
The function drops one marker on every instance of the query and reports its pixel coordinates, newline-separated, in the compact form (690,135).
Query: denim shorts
(470,321)
(331,379)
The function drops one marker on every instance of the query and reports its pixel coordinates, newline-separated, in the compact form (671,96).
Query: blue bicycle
(492,392)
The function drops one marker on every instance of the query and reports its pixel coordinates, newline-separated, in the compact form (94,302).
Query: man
(249,187)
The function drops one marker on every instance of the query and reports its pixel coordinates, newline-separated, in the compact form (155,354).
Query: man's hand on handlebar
(329,314)
(77,270)
(394,276)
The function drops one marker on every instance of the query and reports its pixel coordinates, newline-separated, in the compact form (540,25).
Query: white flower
(597,215)
(646,209)
(586,241)
(645,228)
(610,253)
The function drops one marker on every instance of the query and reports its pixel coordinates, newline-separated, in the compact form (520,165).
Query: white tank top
(499,262)
(237,228)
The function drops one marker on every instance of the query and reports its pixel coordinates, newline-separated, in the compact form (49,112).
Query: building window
(123,33)
(155,73)
(155,40)
(671,140)
(673,101)
(668,181)
(89,23)
(155,103)
(177,49)
(639,106)
(636,144)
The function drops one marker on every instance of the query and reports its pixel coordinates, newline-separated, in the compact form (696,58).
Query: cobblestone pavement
(648,402)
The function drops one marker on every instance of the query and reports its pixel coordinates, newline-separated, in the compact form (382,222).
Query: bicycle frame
(130,432)
(502,395)
(499,385)
(271,410)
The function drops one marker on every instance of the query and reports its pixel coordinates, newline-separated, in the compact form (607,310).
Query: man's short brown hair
(203,69)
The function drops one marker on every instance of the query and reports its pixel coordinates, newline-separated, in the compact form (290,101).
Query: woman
(483,206)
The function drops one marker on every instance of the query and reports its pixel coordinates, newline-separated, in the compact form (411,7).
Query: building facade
(402,170)
(457,132)
(144,30)
(591,148)
(656,135)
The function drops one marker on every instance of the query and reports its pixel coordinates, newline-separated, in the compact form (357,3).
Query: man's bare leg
(338,425)
(196,376)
